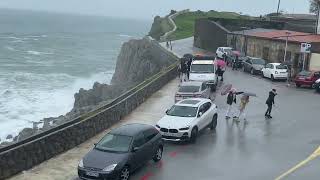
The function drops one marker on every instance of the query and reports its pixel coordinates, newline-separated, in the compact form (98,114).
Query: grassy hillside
(185,22)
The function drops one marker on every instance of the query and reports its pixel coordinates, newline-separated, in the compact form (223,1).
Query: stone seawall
(33,151)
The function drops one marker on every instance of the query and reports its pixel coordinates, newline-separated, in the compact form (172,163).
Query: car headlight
(81,163)
(185,128)
(109,168)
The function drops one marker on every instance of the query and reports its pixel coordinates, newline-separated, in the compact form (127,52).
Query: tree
(314,5)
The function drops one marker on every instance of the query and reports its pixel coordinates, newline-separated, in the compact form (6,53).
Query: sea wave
(37,53)
(21,106)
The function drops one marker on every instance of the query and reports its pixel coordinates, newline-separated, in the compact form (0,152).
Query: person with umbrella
(231,99)
(221,65)
(270,102)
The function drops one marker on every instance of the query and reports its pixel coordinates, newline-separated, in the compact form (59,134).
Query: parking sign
(305,47)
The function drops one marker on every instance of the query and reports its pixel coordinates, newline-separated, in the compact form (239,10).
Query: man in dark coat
(270,102)
(231,99)
(189,67)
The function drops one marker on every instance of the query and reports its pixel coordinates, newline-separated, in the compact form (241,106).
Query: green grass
(185,22)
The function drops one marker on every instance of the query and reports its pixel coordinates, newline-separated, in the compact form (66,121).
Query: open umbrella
(226,89)
(221,63)
(249,94)
(188,56)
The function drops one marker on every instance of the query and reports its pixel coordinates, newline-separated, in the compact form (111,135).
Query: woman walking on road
(270,102)
(243,103)
(231,99)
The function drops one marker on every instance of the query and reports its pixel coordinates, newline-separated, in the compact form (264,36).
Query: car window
(139,140)
(182,111)
(207,106)
(268,66)
(189,89)
(281,67)
(203,87)
(305,73)
(271,66)
(248,61)
(202,68)
(259,61)
(150,133)
(114,143)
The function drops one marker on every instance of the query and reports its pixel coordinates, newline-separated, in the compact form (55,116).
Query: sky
(148,9)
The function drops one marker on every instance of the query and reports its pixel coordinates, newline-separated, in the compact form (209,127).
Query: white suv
(223,50)
(185,119)
(204,71)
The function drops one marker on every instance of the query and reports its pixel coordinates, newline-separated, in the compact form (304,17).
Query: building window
(265,53)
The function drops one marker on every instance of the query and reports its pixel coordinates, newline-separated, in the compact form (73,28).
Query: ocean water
(45,58)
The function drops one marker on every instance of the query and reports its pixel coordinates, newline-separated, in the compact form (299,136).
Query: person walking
(270,103)
(243,103)
(183,71)
(189,62)
(235,63)
(231,99)
(220,72)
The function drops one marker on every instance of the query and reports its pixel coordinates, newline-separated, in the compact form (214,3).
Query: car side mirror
(135,149)
(199,114)
(94,144)
(167,111)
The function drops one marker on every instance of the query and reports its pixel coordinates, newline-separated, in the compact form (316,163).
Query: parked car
(232,57)
(307,78)
(275,71)
(122,151)
(185,119)
(204,71)
(223,50)
(192,89)
(253,65)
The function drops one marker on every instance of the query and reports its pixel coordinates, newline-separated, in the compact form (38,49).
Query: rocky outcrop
(159,27)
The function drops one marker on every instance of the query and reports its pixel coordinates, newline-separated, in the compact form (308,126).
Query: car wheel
(252,71)
(194,135)
(272,77)
(158,156)
(298,85)
(125,173)
(214,122)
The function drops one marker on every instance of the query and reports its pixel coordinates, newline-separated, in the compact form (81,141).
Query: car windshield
(114,143)
(259,61)
(281,67)
(202,68)
(182,111)
(189,89)
(305,73)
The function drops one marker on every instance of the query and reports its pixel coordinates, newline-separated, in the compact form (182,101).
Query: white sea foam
(37,53)
(20,106)
(125,35)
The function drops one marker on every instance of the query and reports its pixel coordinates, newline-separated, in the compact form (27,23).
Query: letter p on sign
(305,47)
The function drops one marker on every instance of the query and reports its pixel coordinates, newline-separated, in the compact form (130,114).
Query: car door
(271,70)
(247,64)
(205,90)
(265,70)
(203,119)
(208,114)
(151,145)
(138,156)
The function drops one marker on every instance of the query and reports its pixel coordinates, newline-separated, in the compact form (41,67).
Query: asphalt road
(261,149)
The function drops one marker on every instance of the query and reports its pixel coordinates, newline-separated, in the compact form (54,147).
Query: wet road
(261,149)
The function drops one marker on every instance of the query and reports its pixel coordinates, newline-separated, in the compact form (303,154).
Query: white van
(204,71)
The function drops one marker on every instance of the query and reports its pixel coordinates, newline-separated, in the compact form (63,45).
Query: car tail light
(197,95)
(178,95)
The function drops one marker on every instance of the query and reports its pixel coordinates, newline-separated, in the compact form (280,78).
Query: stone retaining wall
(35,151)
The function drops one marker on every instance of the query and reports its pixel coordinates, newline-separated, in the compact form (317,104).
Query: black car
(122,151)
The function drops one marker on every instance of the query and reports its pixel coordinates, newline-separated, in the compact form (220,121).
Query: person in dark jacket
(184,70)
(220,72)
(231,99)
(270,102)
(235,63)
(189,67)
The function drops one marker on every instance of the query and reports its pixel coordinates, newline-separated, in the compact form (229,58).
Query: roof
(131,129)
(203,62)
(191,83)
(293,36)
(251,31)
(192,102)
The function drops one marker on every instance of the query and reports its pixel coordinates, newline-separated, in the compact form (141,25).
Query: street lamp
(278,7)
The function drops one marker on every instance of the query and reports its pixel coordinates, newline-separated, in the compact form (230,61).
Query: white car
(275,71)
(223,50)
(185,119)
(204,71)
